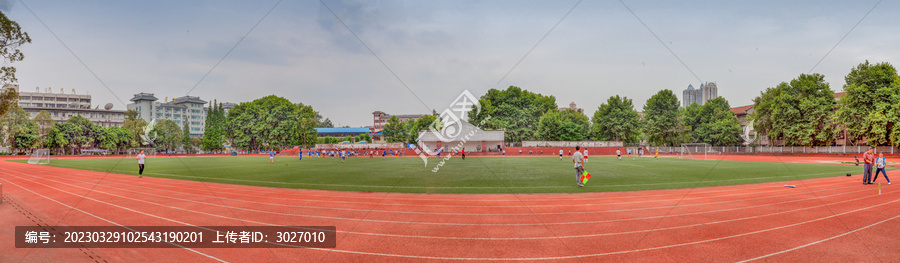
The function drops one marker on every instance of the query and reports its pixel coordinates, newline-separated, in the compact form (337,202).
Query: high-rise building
(706,92)
(187,110)
(62,106)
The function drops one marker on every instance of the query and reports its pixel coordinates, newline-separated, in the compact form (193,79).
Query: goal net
(695,150)
(133,152)
(40,156)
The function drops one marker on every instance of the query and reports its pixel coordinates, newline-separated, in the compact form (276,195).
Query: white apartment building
(63,106)
(187,110)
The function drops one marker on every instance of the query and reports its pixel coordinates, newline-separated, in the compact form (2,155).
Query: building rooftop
(144,96)
(741,110)
(838,95)
(188,99)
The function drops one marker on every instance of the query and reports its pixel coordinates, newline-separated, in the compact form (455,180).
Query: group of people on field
(869,160)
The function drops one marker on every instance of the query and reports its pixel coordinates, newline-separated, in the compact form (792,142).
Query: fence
(783,149)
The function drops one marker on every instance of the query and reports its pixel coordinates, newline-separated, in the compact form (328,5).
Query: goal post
(132,152)
(701,149)
(40,156)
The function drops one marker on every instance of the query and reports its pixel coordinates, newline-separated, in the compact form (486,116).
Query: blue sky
(439,48)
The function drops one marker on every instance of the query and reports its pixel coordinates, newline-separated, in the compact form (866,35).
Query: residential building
(707,91)
(381,119)
(572,107)
(62,106)
(186,110)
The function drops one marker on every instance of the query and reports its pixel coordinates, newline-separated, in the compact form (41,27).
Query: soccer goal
(695,150)
(40,156)
(133,152)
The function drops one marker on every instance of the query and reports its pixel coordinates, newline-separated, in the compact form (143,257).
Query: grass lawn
(473,175)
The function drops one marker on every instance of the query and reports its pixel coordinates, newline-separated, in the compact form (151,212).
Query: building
(572,107)
(748,135)
(381,119)
(227,106)
(341,132)
(706,92)
(188,110)
(479,141)
(62,106)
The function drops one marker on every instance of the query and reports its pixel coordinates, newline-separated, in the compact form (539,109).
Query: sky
(427,52)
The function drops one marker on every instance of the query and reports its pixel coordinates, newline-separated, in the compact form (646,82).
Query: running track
(822,220)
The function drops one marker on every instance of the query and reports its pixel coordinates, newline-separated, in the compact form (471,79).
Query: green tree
(89,133)
(616,120)
(394,130)
(64,137)
(514,110)
(186,141)
(19,132)
(135,128)
(214,128)
(168,135)
(871,108)
(45,123)
(11,38)
(269,122)
(325,124)
(563,125)
(713,123)
(306,125)
(663,120)
(798,112)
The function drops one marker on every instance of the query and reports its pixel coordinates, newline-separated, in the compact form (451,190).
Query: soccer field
(473,175)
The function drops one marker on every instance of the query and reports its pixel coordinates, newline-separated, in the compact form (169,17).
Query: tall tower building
(707,91)
(690,95)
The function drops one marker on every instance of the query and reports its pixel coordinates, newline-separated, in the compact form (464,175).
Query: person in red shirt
(868,159)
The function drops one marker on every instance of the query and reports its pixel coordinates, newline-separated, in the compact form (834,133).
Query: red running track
(822,220)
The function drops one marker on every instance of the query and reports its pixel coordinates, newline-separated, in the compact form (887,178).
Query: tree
(186,141)
(563,125)
(871,107)
(45,123)
(88,133)
(713,123)
(269,122)
(11,38)
(798,112)
(214,128)
(394,131)
(306,124)
(616,120)
(64,137)
(663,119)
(168,135)
(325,124)
(115,139)
(514,110)
(135,128)
(18,131)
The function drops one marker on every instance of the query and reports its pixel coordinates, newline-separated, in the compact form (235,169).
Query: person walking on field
(879,168)
(578,159)
(140,158)
(868,159)
(560,154)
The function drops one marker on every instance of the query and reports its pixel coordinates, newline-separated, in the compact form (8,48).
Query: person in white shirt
(560,154)
(619,154)
(879,168)
(578,159)
(140,157)
(585,155)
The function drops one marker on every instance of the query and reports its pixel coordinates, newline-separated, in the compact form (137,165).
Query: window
(60,99)
(25,97)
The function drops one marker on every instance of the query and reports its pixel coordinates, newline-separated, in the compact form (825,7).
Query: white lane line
(820,241)
(107,220)
(432,223)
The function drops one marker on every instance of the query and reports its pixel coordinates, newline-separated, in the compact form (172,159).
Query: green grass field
(473,175)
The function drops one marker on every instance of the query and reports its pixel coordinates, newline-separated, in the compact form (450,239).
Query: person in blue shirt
(271,156)
(383,153)
(301,154)
(879,168)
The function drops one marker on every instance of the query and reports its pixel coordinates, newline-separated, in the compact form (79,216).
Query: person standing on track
(868,159)
(879,168)
(578,159)
(140,158)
